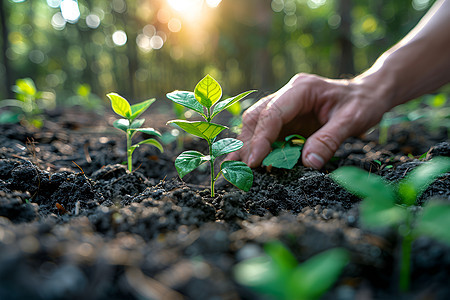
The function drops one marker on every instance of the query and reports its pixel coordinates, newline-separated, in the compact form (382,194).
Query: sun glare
(186,6)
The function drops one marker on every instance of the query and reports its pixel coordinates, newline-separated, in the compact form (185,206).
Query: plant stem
(212,168)
(405,267)
(129,153)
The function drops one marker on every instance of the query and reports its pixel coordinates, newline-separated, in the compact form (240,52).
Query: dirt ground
(74,224)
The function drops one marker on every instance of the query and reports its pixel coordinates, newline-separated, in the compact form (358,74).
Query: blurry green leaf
(417,181)
(180,109)
(208,91)
(25,86)
(378,208)
(151,142)
(186,99)
(149,131)
(439,100)
(137,123)
(285,157)
(120,105)
(225,146)
(205,130)
(138,108)
(281,256)
(318,274)
(188,161)
(238,174)
(84,90)
(228,102)
(434,221)
(235,109)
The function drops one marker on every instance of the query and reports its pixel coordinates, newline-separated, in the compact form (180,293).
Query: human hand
(328,111)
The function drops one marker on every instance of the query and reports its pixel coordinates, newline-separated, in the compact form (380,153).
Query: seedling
(30,101)
(385,204)
(205,100)
(131,124)
(285,154)
(279,275)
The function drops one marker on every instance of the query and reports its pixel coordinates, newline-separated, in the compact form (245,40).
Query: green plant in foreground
(279,275)
(30,101)
(285,154)
(385,204)
(131,124)
(205,100)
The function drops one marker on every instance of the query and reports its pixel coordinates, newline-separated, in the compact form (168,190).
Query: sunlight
(187,7)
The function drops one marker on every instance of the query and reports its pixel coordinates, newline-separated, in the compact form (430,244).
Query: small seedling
(31,103)
(387,205)
(279,275)
(205,100)
(285,154)
(130,124)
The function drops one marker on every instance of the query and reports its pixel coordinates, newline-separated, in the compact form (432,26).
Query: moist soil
(74,224)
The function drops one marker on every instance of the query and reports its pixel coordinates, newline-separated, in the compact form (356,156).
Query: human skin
(329,111)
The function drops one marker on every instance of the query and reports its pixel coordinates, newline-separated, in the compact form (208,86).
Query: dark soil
(74,224)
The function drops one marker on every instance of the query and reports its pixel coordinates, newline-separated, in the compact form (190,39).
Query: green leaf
(417,181)
(238,174)
(188,161)
(151,142)
(186,99)
(208,91)
(228,102)
(435,221)
(317,275)
(281,256)
(205,130)
(149,131)
(137,123)
(294,136)
(120,105)
(225,146)
(138,108)
(378,207)
(262,275)
(285,157)
(25,86)
(121,124)
(363,184)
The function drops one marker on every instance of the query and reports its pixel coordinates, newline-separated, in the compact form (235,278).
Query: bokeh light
(70,10)
(119,38)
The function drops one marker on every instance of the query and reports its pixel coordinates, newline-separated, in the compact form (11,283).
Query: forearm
(418,64)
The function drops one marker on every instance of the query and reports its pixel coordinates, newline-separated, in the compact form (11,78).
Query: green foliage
(385,204)
(30,103)
(278,274)
(205,100)
(130,124)
(285,154)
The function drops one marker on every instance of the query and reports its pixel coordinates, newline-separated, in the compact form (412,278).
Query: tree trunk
(346,65)
(8,72)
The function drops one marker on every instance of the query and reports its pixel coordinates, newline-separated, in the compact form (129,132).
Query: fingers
(321,146)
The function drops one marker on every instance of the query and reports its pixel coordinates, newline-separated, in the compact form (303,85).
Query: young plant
(387,205)
(205,100)
(31,103)
(279,275)
(131,124)
(285,154)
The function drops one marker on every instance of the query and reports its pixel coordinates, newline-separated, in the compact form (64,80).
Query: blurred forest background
(146,48)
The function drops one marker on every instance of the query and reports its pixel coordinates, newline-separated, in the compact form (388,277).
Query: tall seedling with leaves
(131,124)
(205,100)
(388,205)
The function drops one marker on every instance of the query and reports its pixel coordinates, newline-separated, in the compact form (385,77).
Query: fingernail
(314,161)
(250,160)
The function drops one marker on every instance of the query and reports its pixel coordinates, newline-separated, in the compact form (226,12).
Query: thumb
(321,146)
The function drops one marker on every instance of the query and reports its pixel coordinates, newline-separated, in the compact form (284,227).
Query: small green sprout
(285,154)
(387,205)
(130,124)
(31,103)
(205,100)
(279,275)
